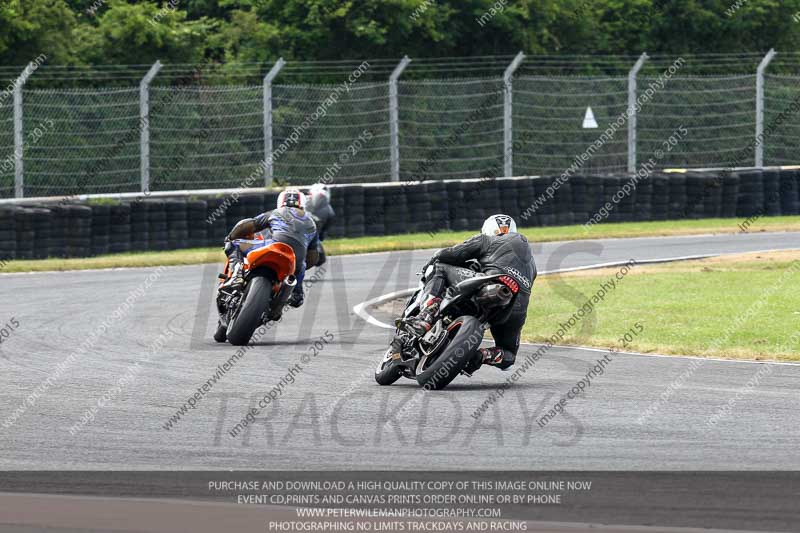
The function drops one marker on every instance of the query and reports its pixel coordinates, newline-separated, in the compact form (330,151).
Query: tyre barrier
(147,224)
(101,229)
(8,234)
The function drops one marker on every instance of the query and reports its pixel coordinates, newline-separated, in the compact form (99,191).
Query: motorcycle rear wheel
(256,302)
(466,334)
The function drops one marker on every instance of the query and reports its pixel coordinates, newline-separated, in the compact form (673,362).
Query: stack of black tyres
(677,196)
(177,225)
(695,195)
(611,189)
(507,190)
(712,196)
(79,234)
(252,205)
(440,205)
(565,216)
(456,206)
(8,234)
(729,182)
(235,212)
(157,229)
(338,227)
(751,194)
(628,197)
(374,220)
(59,231)
(643,210)
(354,205)
(138,214)
(42,221)
(797,182)
(594,196)
(545,210)
(524,201)
(580,210)
(419,209)
(216,223)
(772,192)
(394,209)
(270,200)
(490,194)
(25,235)
(474,210)
(196,220)
(101,228)
(122,233)
(789,192)
(659,203)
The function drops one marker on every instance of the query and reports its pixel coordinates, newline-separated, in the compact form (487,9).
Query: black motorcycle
(440,355)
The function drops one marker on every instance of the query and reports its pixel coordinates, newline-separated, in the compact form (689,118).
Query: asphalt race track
(333,416)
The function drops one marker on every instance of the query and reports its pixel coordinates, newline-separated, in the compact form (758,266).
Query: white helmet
(499,225)
(292,198)
(320,188)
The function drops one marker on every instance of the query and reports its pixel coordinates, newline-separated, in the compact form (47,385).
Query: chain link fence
(336,134)
(719,113)
(782,93)
(83,141)
(548,123)
(451,129)
(205,138)
(80,141)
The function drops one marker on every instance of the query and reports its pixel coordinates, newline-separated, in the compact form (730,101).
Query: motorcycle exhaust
(282,296)
(494,295)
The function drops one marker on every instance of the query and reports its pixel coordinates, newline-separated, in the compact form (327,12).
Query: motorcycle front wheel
(465,336)
(387,372)
(255,304)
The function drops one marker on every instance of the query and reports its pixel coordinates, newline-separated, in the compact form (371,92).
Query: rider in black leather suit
(498,249)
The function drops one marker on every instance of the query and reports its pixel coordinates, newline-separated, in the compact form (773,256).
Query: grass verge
(415,241)
(736,307)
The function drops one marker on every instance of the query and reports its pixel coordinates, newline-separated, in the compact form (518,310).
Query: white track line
(361,309)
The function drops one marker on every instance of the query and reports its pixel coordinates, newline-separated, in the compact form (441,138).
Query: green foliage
(29,28)
(120,31)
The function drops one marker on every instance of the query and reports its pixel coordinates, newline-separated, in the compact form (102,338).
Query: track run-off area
(127,376)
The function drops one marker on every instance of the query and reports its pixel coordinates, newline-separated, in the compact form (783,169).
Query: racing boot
(235,281)
(496,357)
(396,347)
(423,322)
(298,297)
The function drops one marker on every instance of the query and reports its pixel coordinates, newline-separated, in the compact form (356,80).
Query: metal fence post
(268,161)
(394,118)
(19,134)
(762,67)
(144,124)
(508,133)
(632,112)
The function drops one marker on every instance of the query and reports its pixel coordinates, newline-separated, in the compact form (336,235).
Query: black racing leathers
(320,208)
(509,254)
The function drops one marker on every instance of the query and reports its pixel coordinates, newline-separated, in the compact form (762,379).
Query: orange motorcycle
(268,273)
